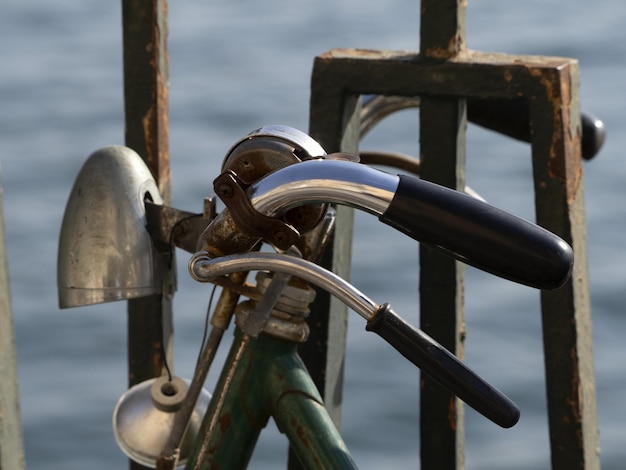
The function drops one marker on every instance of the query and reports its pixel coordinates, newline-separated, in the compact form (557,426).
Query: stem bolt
(226,191)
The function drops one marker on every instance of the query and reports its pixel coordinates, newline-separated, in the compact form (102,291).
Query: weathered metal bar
(443,121)
(550,85)
(442,28)
(146,86)
(146,80)
(442,150)
(334,122)
(11,445)
(567,338)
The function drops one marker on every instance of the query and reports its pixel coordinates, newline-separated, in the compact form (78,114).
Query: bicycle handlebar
(409,341)
(465,227)
(460,225)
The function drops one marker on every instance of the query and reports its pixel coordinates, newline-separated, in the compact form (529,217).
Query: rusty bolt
(225,191)
(280,237)
(178,230)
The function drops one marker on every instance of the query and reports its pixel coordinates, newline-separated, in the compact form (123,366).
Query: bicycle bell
(270,148)
(144,416)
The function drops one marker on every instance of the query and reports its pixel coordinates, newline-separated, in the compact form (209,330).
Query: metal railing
(447,77)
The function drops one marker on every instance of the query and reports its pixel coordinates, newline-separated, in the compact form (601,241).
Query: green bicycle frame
(270,380)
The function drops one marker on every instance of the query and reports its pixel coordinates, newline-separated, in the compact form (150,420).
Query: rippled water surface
(236,66)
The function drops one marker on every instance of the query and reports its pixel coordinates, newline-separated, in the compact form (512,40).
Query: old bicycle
(279,187)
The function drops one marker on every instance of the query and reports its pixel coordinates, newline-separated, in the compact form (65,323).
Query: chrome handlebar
(465,227)
(324,181)
(204,268)
(409,341)
(460,225)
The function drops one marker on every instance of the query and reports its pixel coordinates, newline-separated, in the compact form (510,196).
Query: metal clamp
(251,222)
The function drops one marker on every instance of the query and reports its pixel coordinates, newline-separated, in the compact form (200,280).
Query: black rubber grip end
(479,234)
(443,366)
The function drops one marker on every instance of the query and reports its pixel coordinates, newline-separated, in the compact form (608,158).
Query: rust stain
(300,431)
(575,401)
(157,357)
(148,131)
(564,159)
(351,53)
(225,421)
(155,120)
(452,416)
(455,45)
(302,434)
(454,49)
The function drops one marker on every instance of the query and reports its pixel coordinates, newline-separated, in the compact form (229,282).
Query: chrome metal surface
(377,107)
(105,251)
(317,181)
(203,268)
(144,415)
(263,151)
(306,146)
(294,300)
(288,328)
(256,321)
(287,319)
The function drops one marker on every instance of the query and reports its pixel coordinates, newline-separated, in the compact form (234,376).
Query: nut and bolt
(226,191)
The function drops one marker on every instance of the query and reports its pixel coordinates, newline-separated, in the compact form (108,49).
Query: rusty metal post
(146,81)
(11,446)
(146,85)
(566,313)
(443,121)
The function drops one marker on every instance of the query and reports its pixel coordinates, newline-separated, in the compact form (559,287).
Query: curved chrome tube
(377,107)
(318,181)
(203,268)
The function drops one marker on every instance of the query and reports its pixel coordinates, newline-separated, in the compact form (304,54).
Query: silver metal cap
(144,417)
(306,147)
(105,251)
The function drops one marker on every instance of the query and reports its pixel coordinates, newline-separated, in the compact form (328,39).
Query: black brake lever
(444,367)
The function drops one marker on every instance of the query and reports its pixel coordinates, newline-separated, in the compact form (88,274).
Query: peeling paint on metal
(225,422)
(565,151)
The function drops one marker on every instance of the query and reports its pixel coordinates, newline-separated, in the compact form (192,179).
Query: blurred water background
(236,66)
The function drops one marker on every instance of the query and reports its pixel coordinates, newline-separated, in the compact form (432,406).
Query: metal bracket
(231,190)
(175,227)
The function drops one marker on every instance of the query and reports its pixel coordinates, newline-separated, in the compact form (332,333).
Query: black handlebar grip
(479,234)
(443,366)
